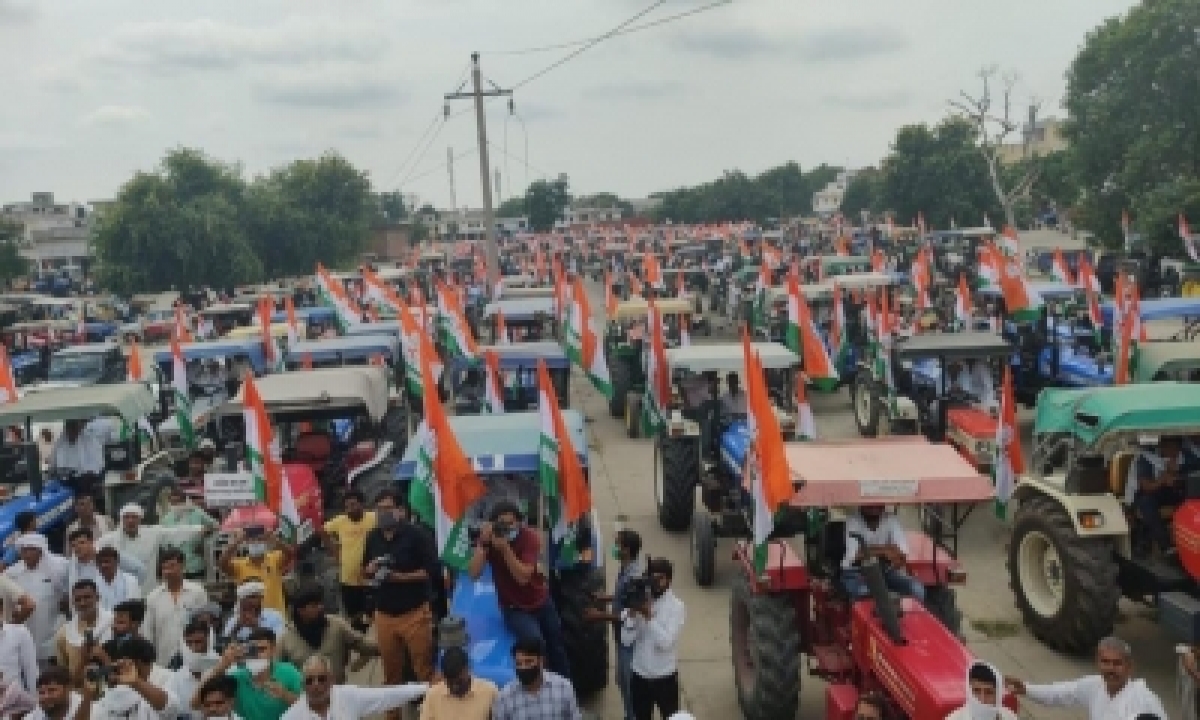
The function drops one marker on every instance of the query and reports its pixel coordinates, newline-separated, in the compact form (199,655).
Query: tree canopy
(1133,97)
(778,192)
(12,265)
(195,221)
(545,201)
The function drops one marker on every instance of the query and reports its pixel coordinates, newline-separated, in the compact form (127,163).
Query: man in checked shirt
(536,693)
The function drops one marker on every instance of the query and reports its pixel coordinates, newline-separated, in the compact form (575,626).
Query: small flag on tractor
(767,476)
(563,483)
(658,377)
(179,390)
(8,383)
(493,396)
(1009,462)
(271,484)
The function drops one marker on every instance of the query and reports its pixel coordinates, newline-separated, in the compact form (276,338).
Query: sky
(98,90)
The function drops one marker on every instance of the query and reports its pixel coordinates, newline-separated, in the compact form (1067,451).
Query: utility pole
(450,169)
(491,249)
(499,192)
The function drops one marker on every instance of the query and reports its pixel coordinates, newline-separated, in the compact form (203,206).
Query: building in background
(467,224)
(1044,137)
(55,235)
(828,200)
(576,217)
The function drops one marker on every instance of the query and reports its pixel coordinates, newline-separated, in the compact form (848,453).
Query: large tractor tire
(766,652)
(677,469)
(620,387)
(586,640)
(866,405)
(704,548)
(942,603)
(1066,586)
(633,417)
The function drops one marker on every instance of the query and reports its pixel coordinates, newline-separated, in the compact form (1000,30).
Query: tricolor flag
(839,343)
(583,341)
(445,484)
(272,355)
(493,395)
(456,333)
(271,484)
(802,339)
(179,389)
(989,266)
(1059,270)
(658,377)
(1020,299)
(181,326)
(333,293)
(1188,243)
(653,272)
(415,343)
(1009,463)
(767,476)
(8,382)
(563,484)
(806,425)
(1008,242)
(294,331)
(502,337)
(962,303)
(133,368)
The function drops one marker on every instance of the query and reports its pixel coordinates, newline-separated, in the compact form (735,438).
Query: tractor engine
(973,433)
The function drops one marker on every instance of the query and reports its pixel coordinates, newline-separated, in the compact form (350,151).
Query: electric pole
(491,249)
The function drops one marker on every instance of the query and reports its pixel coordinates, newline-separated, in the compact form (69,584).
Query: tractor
(792,613)
(526,319)
(625,339)
(696,287)
(692,450)
(505,451)
(518,377)
(1075,550)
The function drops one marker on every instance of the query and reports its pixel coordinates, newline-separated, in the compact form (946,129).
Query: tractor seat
(1118,475)
(313,449)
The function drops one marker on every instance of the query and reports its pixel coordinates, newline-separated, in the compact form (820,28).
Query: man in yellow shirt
(267,559)
(346,538)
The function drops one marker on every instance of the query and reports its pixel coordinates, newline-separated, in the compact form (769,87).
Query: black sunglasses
(315,680)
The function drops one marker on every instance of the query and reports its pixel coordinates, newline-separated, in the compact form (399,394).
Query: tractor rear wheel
(677,467)
(586,640)
(620,386)
(703,546)
(942,603)
(866,406)
(633,417)
(1066,586)
(766,652)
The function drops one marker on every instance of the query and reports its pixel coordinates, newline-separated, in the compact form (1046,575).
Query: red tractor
(908,652)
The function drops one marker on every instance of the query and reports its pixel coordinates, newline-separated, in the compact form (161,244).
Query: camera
(501,529)
(636,592)
(99,674)
(383,566)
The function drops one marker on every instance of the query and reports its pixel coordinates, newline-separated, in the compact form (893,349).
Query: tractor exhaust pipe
(885,609)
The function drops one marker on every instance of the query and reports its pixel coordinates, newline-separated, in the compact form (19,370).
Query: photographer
(90,625)
(653,628)
(131,688)
(266,687)
(398,555)
(513,551)
(627,548)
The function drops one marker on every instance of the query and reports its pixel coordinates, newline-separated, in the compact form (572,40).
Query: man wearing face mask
(197,657)
(397,560)
(90,625)
(653,630)
(323,698)
(460,695)
(536,692)
(250,615)
(43,575)
(267,559)
(985,695)
(135,691)
(312,631)
(182,512)
(266,687)
(872,533)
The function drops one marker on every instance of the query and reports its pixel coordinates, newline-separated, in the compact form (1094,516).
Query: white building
(465,224)
(828,200)
(574,217)
(55,234)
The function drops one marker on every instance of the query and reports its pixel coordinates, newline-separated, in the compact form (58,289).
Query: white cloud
(333,90)
(115,116)
(12,11)
(821,45)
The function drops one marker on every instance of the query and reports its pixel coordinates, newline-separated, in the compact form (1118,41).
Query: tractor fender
(384,451)
(1112,516)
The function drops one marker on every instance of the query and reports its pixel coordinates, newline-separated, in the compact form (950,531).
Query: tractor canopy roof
(892,471)
(1047,290)
(320,313)
(520,308)
(351,347)
(100,348)
(381,328)
(1090,414)
(129,401)
(323,393)
(729,357)
(278,331)
(1158,309)
(1166,360)
(210,349)
(954,345)
(222,308)
(496,444)
(521,355)
(639,308)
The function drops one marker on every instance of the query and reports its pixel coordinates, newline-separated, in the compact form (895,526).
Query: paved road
(621,480)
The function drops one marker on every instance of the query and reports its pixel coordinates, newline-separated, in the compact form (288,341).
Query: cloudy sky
(97,89)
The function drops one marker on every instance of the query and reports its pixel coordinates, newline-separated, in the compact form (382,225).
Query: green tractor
(1076,548)
(624,341)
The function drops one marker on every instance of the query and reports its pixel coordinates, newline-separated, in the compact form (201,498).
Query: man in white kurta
(43,576)
(170,606)
(142,542)
(1111,695)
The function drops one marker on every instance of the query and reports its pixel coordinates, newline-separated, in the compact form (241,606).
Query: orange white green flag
(271,484)
(445,483)
(133,368)
(1059,270)
(802,338)
(583,341)
(8,382)
(806,424)
(658,376)
(767,476)
(563,484)
(272,355)
(1009,462)
(839,342)
(455,331)
(493,394)
(294,331)
(183,402)
(962,303)
(1021,300)
(414,344)
(502,337)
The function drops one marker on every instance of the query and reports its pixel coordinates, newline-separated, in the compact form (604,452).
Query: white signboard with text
(225,490)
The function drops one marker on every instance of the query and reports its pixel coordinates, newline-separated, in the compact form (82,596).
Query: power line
(627,31)
(433,124)
(425,149)
(458,156)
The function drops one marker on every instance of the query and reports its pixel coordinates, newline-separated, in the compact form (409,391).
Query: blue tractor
(504,450)
(464,378)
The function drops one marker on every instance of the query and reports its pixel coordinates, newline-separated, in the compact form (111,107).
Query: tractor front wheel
(766,652)
(704,546)
(866,406)
(586,640)
(620,387)
(677,469)
(633,417)
(1066,586)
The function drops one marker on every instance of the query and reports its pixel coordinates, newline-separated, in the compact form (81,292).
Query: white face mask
(121,700)
(979,711)
(198,662)
(257,665)
(256,549)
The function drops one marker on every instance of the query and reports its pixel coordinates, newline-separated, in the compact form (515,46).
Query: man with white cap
(250,614)
(985,695)
(143,542)
(170,606)
(43,575)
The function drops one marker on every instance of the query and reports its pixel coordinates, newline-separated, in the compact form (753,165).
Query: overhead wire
(432,127)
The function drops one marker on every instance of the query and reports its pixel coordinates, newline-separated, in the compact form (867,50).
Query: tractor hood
(1091,414)
(735,443)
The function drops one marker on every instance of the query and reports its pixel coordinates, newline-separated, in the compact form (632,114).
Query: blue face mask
(512,534)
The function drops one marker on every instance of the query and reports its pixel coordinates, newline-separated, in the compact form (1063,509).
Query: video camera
(635,593)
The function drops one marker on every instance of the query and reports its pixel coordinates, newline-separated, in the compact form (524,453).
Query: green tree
(512,207)
(12,265)
(1133,98)
(1156,214)
(1056,184)
(545,201)
(603,200)
(391,206)
(862,193)
(781,191)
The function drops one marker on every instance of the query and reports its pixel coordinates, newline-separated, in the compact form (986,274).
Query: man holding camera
(653,627)
(131,691)
(266,687)
(396,562)
(513,551)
